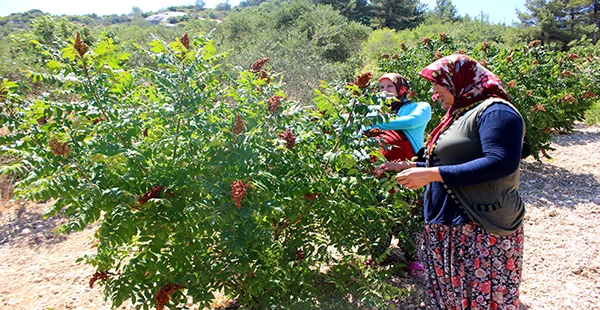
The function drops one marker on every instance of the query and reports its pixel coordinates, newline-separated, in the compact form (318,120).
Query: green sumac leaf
(157,47)
(53,65)
(102,48)
(246,212)
(293,217)
(209,50)
(68,53)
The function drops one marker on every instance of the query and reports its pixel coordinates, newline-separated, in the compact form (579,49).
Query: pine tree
(445,10)
(200,5)
(584,17)
(397,14)
(355,10)
(560,21)
(549,22)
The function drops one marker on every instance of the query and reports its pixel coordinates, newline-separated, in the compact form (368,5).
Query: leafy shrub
(591,73)
(205,180)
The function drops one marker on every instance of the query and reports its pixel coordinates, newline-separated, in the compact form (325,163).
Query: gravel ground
(562,245)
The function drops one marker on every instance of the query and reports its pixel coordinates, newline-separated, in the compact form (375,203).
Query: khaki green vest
(494,205)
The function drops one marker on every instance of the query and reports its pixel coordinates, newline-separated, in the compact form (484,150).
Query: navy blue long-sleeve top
(500,130)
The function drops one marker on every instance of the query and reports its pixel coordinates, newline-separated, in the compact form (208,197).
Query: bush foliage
(203,181)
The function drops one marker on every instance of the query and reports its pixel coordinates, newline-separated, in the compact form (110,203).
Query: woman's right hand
(393,166)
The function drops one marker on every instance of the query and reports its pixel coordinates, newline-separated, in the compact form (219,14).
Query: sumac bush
(551,89)
(203,180)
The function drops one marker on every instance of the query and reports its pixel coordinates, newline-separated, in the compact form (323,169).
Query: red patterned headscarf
(402,87)
(469,83)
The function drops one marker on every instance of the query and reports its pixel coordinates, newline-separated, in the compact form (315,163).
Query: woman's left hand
(414,178)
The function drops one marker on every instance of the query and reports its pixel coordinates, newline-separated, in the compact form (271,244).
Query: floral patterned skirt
(469,268)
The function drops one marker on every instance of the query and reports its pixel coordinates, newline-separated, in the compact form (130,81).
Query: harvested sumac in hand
(374,132)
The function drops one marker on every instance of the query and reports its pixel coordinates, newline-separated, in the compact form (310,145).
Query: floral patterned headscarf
(402,87)
(469,83)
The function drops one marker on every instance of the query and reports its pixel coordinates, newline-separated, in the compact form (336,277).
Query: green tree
(248,3)
(200,5)
(558,22)
(584,17)
(547,20)
(445,10)
(397,14)
(356,10)
(223,6)
(136,11)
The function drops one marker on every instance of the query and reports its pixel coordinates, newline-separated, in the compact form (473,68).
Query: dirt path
(562,245)
(38,268)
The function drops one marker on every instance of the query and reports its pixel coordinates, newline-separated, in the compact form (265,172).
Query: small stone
(552,213)
(26,231)
(574,288)
(585,274)
(50,276)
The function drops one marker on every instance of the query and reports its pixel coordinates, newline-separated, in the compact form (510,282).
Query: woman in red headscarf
(473,239)
(403,135)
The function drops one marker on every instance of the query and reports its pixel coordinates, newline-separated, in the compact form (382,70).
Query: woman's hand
(374,132)
(393,166)
(414,178)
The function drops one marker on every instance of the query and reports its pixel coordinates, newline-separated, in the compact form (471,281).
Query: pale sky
(100,7)
(498,11)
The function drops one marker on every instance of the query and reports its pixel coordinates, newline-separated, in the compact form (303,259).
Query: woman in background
(403,134)
(401,138)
